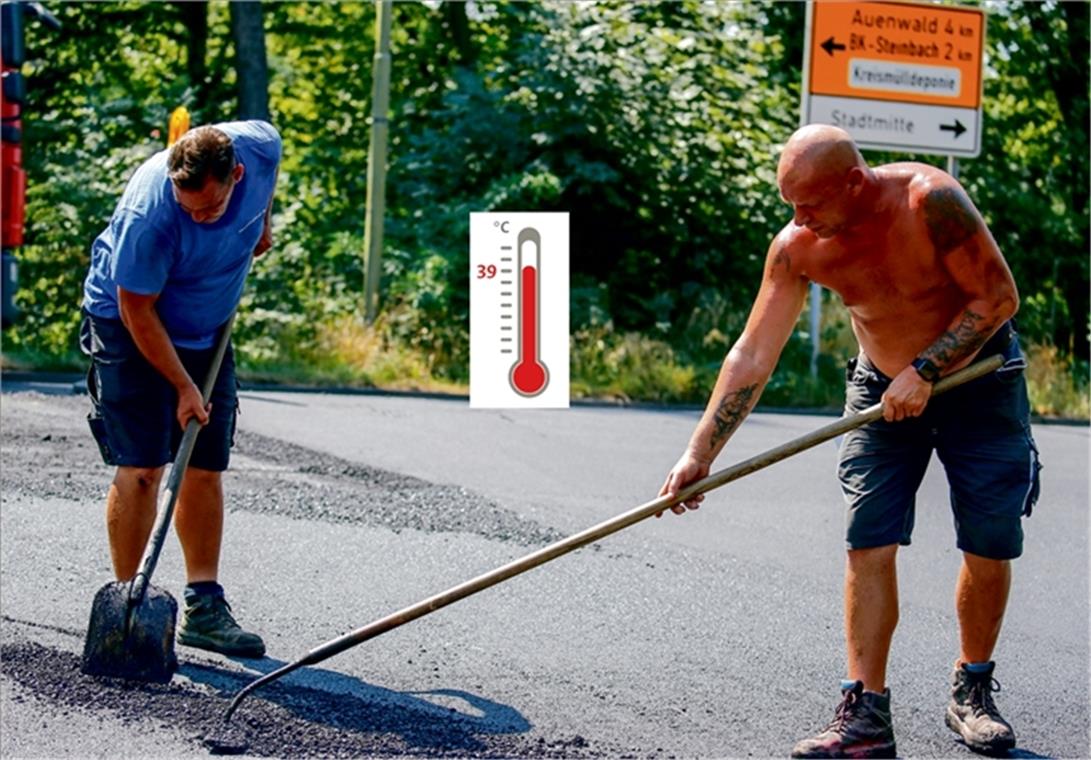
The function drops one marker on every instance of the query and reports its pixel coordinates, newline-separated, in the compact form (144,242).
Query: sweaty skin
(908,253)
(920,275)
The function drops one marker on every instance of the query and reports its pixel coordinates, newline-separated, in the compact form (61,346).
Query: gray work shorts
(981,433)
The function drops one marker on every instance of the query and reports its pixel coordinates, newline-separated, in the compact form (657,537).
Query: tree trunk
(251,67)
(458,27)
(195,19)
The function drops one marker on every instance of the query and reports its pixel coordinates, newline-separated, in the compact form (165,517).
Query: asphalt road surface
(716,634)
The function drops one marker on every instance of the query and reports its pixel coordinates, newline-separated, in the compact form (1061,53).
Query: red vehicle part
(13,180)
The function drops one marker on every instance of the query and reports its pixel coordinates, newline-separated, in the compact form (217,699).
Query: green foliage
(655,125)
(1057,384)
(629,366)
(1031,182)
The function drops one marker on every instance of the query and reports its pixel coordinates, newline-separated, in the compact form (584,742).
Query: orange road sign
(896,75)
(905,52)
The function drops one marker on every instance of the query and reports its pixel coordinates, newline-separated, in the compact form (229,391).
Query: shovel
(131,633)
(228,742)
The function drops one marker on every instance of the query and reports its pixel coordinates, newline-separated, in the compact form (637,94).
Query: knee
(983,567)
(197,476)
(873,558)
(139,478)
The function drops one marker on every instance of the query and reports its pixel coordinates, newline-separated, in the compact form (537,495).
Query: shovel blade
(136,644)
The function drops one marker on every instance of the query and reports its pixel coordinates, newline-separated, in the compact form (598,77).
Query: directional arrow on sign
(957,128)
(829,46)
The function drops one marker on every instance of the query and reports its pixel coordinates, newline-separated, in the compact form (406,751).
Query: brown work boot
(207,623)
(861,728)
(972,714)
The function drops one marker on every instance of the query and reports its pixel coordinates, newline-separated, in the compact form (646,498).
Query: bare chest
(883,276)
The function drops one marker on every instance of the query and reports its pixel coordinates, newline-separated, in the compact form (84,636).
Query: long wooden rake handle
(603,529)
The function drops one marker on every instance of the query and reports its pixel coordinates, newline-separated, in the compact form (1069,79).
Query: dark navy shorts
(981,433)
(134,407)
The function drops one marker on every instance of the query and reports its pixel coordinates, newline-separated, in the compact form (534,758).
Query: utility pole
(816,326)
(376,160)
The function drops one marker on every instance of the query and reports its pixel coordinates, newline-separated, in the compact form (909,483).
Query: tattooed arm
(968,253)
(971,256)
(746,368)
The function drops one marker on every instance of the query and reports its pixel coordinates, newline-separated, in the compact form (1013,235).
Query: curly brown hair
(199,154)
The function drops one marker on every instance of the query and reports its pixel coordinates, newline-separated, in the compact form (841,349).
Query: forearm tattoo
(950,218)
(969,334)
(730,413)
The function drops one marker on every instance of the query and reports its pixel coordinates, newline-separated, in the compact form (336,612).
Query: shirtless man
(928,291)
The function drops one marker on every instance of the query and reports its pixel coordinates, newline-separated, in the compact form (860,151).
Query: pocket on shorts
(864,387)
(95,420)
(1035,488)
(235,416)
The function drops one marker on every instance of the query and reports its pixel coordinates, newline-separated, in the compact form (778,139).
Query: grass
(30,360)
(1058,386)
(629,367)
(347,353)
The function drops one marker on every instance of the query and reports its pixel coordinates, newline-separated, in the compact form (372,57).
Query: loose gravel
(44,457)
(48,452)
(286,720)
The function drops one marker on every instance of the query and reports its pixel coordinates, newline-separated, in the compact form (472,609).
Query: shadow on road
(1019,752)
(312,713)
(1016,754)
(449,720)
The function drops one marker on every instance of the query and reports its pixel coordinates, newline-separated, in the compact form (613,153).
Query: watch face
(926,369)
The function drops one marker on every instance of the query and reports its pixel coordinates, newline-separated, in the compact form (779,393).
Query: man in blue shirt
(165,276)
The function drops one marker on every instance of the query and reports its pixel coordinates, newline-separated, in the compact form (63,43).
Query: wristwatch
(926,369)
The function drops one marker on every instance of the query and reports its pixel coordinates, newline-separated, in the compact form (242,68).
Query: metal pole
(816,325)
(952,166)
(376,160)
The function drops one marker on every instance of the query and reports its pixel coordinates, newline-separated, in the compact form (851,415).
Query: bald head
(823,176)
(816,155)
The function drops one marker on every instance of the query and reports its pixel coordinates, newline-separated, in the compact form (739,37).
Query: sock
(203,588)
(846,684)
(977,667)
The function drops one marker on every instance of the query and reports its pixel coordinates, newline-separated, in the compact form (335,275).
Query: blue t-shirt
(199,270)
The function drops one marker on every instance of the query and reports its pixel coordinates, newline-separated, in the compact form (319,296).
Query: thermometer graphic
(529,376)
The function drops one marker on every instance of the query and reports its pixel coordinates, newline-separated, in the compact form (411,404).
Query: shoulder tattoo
(950,218)
(781,257)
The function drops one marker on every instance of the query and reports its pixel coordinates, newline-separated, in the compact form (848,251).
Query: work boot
(861,727)
(207,624)
(972,714)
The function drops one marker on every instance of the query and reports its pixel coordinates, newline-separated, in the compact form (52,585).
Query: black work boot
(861,728)
(972,714)
(207,623)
